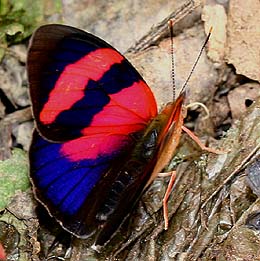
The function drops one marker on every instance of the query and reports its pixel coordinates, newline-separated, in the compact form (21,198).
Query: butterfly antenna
(196,62)
(170,24)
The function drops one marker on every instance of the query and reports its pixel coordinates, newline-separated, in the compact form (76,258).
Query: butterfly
(99,139)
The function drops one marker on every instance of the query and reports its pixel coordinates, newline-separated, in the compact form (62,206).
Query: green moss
(13,176)
(18,19)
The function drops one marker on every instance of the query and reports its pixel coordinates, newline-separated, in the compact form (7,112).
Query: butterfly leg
(201,145)
(166,196)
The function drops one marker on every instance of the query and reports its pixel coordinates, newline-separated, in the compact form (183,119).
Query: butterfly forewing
(74,76)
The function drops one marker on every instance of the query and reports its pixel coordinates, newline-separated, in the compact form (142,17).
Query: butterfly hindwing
(63,184)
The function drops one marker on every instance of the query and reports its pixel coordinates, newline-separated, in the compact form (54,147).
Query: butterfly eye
(149,144)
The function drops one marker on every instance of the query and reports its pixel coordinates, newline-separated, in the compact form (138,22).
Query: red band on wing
(109,130)
(70,89)
(88,147)
(125,113)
